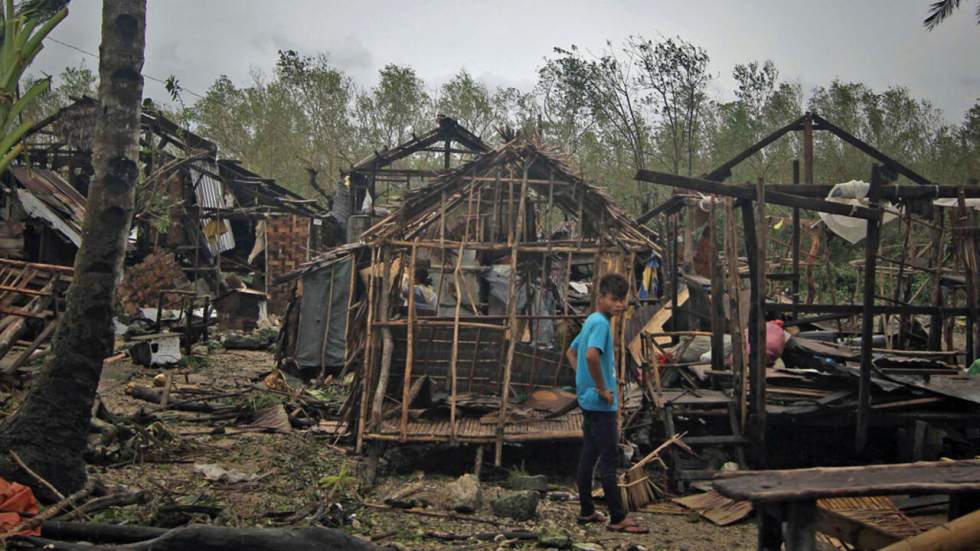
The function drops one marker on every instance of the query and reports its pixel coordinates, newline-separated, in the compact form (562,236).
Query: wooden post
(867,312)
(674,272)
(900,278)
(969,257)
(717,296)
(796,244)
(801,526)
(936,322)
(808,149)
(739,365)
(410,345)
(512,323)
(757,320)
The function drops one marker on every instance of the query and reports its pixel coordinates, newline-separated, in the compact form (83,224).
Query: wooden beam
(853,309)
(740,192)
(725,170)
(891,163)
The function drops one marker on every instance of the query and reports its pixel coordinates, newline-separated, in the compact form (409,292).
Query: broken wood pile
(31,297)
(142,284)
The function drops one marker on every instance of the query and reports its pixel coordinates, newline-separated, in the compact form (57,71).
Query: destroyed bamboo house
(458,304)
(879,373)
(199,219)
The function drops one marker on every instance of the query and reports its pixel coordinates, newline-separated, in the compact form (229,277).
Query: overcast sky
(503,42)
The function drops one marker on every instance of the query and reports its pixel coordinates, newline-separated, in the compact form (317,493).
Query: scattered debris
(217,473)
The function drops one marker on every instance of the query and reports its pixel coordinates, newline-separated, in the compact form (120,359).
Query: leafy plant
(24,30)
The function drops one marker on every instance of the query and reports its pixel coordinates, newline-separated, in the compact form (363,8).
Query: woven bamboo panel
(878,511)
(470,428)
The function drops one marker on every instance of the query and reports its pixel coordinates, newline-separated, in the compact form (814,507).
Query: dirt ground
(302,474)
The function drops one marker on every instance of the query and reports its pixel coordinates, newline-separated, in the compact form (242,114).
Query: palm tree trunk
(49,430)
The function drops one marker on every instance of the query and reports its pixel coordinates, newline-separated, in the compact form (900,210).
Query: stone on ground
(518,505)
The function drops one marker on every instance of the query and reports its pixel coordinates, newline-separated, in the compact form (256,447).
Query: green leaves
(23,33)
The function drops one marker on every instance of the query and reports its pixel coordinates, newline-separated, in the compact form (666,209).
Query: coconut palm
(940,10)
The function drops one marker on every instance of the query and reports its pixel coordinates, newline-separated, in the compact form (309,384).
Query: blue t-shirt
(595,334)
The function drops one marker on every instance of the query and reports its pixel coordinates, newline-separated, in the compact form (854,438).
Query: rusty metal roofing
(57,202)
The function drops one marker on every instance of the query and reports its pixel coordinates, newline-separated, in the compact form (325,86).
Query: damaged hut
(374,185)
(212,215)
(459,304)
(879,368)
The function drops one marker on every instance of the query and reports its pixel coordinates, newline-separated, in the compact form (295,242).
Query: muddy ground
(303,475)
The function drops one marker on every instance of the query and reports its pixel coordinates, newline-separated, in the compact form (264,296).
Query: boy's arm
(592,356)
(572,355)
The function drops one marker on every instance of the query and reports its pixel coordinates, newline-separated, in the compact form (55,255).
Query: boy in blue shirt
(595,382)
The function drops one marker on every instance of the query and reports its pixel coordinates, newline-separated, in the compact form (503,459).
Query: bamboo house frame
(519,210)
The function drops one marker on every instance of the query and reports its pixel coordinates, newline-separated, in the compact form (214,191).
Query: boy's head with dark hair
(611,299)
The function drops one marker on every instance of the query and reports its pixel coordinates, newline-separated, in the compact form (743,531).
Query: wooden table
(790,496)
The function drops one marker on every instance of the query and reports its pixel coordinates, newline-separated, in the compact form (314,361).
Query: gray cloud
(879,42)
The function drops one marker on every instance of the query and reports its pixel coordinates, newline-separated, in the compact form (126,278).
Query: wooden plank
(41,338)
(38,314)
(797,484)
(853,309)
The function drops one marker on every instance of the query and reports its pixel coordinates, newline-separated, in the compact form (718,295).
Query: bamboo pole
(454,354)
(387,342)
(514,329)
(409,348)
(368,353)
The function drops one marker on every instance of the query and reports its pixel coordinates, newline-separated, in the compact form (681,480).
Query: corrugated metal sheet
(46,195)
(210,194)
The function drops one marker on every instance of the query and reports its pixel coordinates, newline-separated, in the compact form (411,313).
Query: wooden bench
(790,496)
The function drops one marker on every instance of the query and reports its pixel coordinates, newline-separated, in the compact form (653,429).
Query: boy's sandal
(628,527)
(594,518)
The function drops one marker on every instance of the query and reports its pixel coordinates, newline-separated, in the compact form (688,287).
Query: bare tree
(49,430)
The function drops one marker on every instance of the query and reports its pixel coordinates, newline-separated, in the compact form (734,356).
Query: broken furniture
(791,496)
(159,349)
(193,331)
